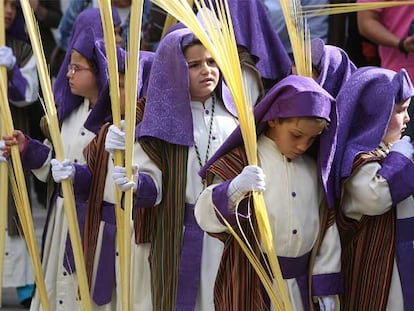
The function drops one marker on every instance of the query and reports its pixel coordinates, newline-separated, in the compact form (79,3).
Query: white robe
(61,286)
(292,198)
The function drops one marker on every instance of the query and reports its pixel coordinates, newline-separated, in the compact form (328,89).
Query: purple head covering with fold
(17,29)
(102,110)
(167,113)
(86,32)
(294,96)
(365,104)
(333,64)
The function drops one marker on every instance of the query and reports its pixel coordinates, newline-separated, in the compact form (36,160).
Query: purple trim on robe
(68,258)
(293,267)
(105,275)
(221,201)
(34,154)
(404,253)
(190,262)
(327,284)
(147,192)
(398,170)
(17,85)
(82,181)
(297,268)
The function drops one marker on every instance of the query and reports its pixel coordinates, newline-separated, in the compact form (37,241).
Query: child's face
(398,122)
(9,12)
(295,135)
(203,72)
(81,76)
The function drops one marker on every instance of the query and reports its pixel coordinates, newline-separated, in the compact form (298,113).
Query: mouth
(207,80)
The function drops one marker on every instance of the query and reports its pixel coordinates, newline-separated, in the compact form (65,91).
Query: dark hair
(193,42)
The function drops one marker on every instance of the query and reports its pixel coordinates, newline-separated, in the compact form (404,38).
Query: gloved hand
(7,58)
(2,158)
(115,138)
(327,303)
(404,147)
(251,178)
(121,180)
(62,170)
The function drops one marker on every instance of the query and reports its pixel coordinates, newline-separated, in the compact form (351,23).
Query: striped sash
(166,228)
(368,248)
(97,159)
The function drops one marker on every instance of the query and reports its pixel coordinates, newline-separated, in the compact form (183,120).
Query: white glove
(404,147)
(115,139)
(251,178)
(327,303)
(121,180)
(2,158)
(7,58)
(62,170)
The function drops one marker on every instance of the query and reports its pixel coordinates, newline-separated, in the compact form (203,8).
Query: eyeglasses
(72,69)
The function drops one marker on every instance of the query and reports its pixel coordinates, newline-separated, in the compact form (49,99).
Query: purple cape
(365,104)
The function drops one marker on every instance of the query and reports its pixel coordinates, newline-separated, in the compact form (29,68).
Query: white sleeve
(328,259)
(366,193)
(205,213)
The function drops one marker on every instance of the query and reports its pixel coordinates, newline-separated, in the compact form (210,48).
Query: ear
(272,123)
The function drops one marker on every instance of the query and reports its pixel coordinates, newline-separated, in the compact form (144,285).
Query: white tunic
(292,198)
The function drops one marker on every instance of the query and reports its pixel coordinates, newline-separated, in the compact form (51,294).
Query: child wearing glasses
(83,108)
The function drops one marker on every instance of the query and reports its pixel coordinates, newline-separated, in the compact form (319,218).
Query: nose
(407,117)
(205,68)
(302,147)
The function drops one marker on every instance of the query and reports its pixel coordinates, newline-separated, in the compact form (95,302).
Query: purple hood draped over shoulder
(85,38)
(365,104)
(17,29)
(294,96)
(167,115)
(333,64)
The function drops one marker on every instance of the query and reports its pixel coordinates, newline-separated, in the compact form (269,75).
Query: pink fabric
(397,20)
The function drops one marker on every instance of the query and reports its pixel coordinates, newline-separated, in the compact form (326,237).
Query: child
(294,114)
(184,122)
(22,88)
(82,109)
(374,178)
